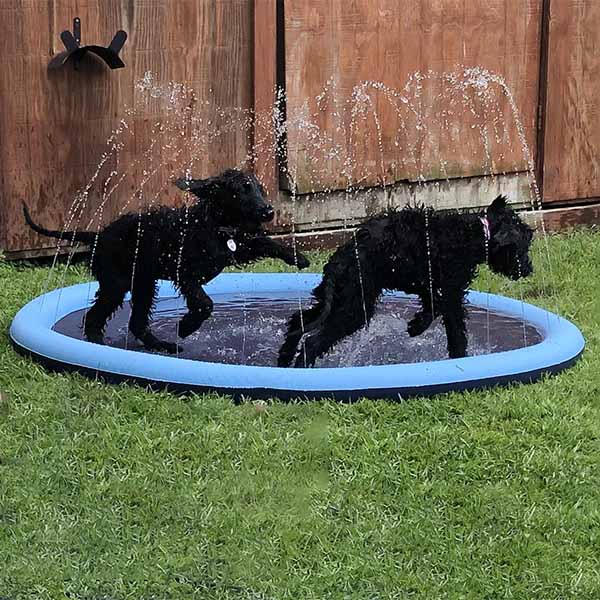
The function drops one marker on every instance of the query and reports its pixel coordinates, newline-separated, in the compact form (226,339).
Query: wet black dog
(188,246)
(418,251)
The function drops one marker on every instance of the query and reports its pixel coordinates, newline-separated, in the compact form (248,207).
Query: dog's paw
(186,328)
(302,261)
(457,353)
(189,324)
(418,325)
(168,347)
(284,361)
(302,364)
(304,361)
(95,338)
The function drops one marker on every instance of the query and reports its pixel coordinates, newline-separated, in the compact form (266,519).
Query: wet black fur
(393,252)
(187,246)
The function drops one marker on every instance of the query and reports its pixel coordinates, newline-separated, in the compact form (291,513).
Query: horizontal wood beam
(563,219)
(555,221)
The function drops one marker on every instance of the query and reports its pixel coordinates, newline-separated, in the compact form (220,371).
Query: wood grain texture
(386,41)
(54,126)
(572,140)
(565,218)
(265,84)
(337,208)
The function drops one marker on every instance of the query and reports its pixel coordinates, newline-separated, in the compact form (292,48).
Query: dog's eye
(247,186)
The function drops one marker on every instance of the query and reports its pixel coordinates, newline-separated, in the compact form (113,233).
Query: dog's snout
(268,212)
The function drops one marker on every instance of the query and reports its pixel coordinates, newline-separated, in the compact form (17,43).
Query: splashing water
(320,153)
(258,322)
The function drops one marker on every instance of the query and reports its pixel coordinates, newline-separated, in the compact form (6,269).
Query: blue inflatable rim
(31,333)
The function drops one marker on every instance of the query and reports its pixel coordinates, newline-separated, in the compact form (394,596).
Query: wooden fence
(571,118)
(233,54)
(54,125)
(389,42)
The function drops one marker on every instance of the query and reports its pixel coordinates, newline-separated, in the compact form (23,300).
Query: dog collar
(486,228)
(229,231)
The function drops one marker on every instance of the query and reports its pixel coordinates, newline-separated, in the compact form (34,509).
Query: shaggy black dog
(418,251)
(188,246)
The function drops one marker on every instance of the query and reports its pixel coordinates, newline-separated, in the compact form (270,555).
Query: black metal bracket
(75,52)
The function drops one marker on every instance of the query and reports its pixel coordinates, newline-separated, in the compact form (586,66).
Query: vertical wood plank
(572,134)
(265,84)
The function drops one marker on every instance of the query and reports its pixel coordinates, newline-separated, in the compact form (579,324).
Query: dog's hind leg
(337,326)
(300,323)
(143,296)
(109,298)
(287,351)
(200,307)
(313,347)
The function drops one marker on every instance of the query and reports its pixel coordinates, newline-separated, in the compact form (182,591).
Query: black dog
(188,246)
(418,251)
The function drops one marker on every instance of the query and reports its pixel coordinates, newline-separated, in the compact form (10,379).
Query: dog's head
(237,197)
(509,242)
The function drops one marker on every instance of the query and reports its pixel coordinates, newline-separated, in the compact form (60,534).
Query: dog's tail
(85,237)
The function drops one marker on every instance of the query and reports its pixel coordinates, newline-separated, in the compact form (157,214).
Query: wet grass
(115,492)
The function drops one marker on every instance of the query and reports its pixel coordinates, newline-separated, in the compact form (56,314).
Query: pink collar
(486,228)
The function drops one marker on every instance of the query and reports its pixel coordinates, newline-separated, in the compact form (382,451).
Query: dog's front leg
(143,296)
(423,319)
(454,316)
(200,307)
(109,298)
(264,247)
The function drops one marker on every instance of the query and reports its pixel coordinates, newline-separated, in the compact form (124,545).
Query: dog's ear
(362,235)
(198,187)
(232,174)
(498,205)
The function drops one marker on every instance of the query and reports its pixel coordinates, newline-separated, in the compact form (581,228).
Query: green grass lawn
(118,493)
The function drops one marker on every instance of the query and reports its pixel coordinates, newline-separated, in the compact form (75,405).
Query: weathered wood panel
(572,135)
(338,208)
(265,88)
(54,125)
(351,41)
(565,218)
